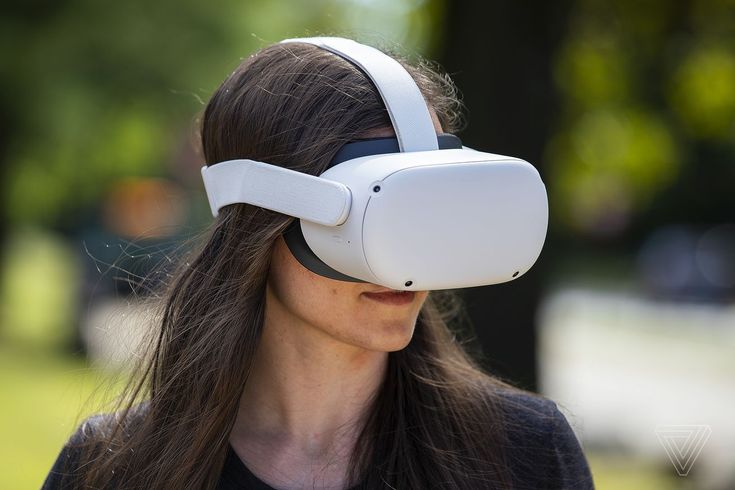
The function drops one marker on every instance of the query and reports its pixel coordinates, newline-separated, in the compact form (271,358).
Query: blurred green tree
(646,135)
(94,91)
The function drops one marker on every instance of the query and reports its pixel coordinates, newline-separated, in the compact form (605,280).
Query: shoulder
(65,474)
(543,450)
(66,471)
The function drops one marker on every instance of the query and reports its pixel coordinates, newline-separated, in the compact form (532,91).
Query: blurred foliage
(702,92)
(39,290)
(614,160)
(647,88)
(95,91)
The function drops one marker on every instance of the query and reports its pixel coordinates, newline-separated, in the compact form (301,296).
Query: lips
(391,296)
(384,290)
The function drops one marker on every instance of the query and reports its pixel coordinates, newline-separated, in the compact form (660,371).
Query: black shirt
(236,475)
(542,446)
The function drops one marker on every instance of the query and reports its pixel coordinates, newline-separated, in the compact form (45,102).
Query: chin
(398,347)
(394,338)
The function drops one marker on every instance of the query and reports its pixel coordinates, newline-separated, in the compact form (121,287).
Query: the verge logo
(683,443)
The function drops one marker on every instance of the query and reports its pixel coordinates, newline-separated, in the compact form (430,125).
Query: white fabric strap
(402,97)
(276,188)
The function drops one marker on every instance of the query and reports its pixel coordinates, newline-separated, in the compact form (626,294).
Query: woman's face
(339,309)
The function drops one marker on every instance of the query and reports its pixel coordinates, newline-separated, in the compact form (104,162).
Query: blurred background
(627,108)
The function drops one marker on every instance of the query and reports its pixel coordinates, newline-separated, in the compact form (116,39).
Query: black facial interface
(373,146)
(379,146)
(300,249)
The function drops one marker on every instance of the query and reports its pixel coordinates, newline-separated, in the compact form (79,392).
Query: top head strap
(406,106)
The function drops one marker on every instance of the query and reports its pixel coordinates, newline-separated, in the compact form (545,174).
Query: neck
(307,391)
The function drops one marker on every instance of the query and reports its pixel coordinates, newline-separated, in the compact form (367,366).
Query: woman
(264,374)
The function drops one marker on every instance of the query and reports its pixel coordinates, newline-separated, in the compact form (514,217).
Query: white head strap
(402,97)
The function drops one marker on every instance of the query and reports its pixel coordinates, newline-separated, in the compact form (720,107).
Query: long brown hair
(437,418)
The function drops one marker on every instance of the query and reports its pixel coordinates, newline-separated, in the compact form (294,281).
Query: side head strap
(406,106)
(276,188)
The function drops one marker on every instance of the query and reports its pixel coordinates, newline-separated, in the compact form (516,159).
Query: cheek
(326,304)
(309,296)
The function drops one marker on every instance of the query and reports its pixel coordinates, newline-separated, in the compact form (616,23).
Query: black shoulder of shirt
(542,450)
(64,474)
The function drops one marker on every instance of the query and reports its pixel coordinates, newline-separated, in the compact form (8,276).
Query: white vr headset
(415,212)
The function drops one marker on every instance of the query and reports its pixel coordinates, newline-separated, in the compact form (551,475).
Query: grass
(625,472)
(43,396)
